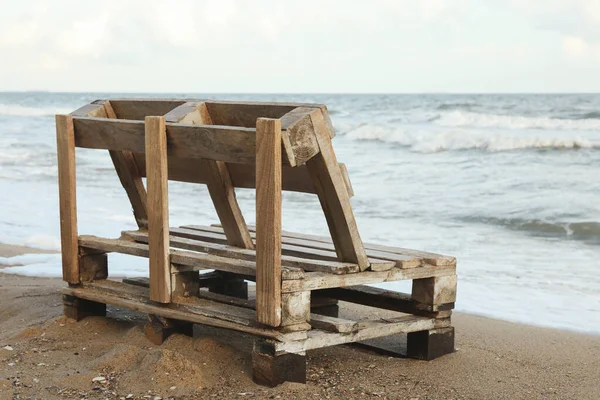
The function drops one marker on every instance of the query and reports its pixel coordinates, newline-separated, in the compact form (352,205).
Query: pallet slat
(380,261)
(428,257)
(331,267)
(183,260)
(195,310)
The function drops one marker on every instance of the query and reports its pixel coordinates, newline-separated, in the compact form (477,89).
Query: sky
(325,46)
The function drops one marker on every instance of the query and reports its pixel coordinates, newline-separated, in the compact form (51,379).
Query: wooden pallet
(299,278)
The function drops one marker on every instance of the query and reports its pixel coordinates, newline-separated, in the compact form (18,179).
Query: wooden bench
(299,278)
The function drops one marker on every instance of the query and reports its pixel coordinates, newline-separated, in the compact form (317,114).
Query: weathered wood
(271,369)
(244,114)
(78,309)
(222,193)
(195,310)
(158,329)
(319,280)
(430,344)
(429,258)
(380,261)
(375,250)
(268,221)
(332,324)
(158,210)
(365,330)
(294,179)
(139,109)
(435,290)
(299,141)
(185,284)
(65,149)
(93,267)
(222,143)
(183,260)
(386,299)
(331,267)
(95,110)
(295,308)
(216,173)
(333,196)
(130,178)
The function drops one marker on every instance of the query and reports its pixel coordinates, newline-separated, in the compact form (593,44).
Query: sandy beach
(44,356)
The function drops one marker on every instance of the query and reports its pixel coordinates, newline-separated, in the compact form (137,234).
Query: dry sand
(44,356)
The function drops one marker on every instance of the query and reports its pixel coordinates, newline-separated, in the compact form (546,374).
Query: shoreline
(53,358)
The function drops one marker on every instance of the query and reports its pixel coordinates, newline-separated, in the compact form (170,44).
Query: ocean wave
(583,230)
(17,110)
(424,141)
(457,118)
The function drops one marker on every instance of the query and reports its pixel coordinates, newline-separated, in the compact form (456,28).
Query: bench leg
(158,329)
(77,309)
(269,369)
(431,344)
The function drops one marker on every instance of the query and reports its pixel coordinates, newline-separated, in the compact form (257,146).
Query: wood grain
(158,209)
(268,221)
(65,148)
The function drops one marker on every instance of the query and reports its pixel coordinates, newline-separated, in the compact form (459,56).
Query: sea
(508,184)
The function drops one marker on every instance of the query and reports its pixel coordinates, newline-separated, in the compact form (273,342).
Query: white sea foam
(431,141)
(17,110)
(460,118)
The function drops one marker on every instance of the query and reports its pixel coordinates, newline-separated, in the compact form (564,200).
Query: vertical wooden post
(158,209)
(65,146)
(268,221)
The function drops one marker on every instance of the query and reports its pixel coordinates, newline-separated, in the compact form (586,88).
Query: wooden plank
(346,177)
(380,261)
(330,267)
(195,310)
(193,170)
(95,110)
(244,114)
(319,280)
(290,247)
(366,330)
(130,177)
(332,324)
(158,210)
(316,320)
(183,260)
(65,148)
(385,299)
(333,195)
(268,221)
(138,109)
(429,258)
(222,143)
